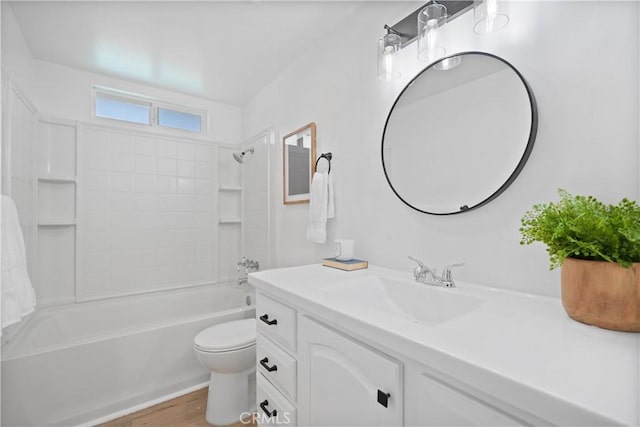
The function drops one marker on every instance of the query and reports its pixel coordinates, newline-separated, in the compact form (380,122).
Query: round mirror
(459,133)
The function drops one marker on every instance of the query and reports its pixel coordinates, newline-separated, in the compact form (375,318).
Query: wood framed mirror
(298,164)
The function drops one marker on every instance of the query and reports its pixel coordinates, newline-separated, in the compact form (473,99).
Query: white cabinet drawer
(273,407)
(276,321)
(277,366)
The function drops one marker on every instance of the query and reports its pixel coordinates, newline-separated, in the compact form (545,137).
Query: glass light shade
(448,63)
(489,16)
(387,61)
(432,32)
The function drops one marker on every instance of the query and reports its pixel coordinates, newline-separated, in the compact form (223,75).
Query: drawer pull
(264,405)
(264,362)
(265,319)
(383,398)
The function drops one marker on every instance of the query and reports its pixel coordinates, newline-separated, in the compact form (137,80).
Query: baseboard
(121,413)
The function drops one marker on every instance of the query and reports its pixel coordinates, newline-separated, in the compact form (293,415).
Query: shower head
(239,157)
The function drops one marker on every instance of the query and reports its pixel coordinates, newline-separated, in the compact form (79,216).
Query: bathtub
(75,364)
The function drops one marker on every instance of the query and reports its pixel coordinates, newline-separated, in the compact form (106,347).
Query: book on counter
(353,264)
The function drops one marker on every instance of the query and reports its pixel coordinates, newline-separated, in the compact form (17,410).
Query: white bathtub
(73,364)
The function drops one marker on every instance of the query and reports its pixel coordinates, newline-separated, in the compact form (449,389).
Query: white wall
(581,60)
(255,192)
(18,126)
(65,92)
(149,210)
(17,60)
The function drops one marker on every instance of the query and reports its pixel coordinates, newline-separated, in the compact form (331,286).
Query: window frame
(180,109)
(123,97)
(154,106)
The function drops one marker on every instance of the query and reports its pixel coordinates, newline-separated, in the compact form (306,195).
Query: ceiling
(221,50)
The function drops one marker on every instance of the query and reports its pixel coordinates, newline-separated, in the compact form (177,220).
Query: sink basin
(416,301)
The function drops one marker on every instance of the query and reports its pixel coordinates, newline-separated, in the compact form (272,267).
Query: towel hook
(327,157)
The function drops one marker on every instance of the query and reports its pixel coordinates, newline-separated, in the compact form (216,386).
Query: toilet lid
(227,336)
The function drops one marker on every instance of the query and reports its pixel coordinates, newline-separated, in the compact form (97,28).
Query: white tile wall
(230,205)
(255,191)
(230,250)
(56,200)
(56,149)
(230,176)
(230,171)
(23,170)
(56,265)
(149,213)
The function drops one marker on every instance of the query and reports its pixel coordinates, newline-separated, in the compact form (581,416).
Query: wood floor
(183,411)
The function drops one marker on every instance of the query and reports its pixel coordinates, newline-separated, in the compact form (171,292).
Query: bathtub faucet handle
(248,264)
(242,263)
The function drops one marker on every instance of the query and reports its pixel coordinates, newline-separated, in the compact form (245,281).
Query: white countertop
(521,348)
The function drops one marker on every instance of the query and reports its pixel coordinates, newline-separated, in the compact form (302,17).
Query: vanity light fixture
(432,27)
(387,62)
(428,25)
(489,16)
(448,63)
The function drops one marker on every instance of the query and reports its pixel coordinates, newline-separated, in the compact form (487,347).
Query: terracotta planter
(602,293)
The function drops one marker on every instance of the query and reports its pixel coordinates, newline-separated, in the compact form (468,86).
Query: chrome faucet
(248,263)
(249,266)
(424,274)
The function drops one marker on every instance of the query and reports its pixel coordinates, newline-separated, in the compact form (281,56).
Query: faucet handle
(421,271)
(420,263)
(446,272)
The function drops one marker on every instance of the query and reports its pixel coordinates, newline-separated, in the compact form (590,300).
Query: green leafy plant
(585,228)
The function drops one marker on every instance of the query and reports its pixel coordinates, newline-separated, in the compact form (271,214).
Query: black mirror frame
(523,160)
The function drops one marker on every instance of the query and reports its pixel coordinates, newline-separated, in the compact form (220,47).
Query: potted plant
(598,247)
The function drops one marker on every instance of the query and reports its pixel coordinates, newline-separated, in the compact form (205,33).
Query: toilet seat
(227,336)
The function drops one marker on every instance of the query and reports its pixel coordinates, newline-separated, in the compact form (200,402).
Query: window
(179,120)
(117,105)
(111,107)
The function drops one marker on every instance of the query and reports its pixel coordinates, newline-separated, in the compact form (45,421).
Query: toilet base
(229,397)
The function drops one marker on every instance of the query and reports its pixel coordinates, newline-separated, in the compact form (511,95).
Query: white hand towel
(318,206)
(18,296)
(331,208)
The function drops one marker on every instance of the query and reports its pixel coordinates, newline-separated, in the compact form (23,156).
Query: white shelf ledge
(57,179)
(230,221)
(58,222)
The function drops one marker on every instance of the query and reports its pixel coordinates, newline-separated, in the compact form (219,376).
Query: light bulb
(387,66)
(432,37)
(448,63)
(432,21)
(489,16)
(388,63)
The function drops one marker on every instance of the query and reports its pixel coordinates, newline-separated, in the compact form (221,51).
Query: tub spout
(249,266)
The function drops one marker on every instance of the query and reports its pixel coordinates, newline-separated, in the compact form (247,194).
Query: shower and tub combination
(75,364)
(119,334)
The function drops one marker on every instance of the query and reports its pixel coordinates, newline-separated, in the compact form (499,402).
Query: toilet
(228,350)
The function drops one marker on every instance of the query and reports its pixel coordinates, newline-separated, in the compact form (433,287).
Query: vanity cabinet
(276,388)
(434,402)
(312,374)
(348,343)
(344,382)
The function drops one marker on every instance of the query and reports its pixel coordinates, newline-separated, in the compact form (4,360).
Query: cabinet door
(433,402)
(345,383)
